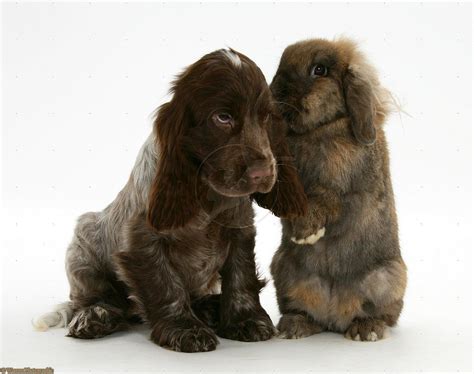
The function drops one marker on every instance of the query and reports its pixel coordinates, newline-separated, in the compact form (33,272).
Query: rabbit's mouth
(293,115)
(301,124)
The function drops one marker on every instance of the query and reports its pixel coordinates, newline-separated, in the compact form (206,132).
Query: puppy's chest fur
(200,249)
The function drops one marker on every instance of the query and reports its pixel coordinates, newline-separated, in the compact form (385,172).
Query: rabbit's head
(319,81)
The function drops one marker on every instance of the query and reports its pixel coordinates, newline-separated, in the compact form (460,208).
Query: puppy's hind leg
(98,299)
(96,321)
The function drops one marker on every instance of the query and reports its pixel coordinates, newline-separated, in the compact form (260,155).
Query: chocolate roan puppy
(176,246)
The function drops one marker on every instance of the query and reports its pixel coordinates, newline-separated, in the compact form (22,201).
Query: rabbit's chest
(327,161)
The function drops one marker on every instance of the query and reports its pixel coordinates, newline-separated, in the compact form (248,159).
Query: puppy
(183,224)
(339,268)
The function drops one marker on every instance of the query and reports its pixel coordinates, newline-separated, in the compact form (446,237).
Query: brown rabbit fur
(352,280)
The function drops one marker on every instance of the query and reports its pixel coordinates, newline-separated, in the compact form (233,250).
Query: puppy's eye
(223,119)
(319,70)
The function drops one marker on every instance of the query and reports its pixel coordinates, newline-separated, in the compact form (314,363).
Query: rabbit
(339,267)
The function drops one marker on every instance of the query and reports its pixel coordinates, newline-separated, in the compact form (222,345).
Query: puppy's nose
(258,175)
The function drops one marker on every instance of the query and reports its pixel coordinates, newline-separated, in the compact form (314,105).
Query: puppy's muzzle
(260,175)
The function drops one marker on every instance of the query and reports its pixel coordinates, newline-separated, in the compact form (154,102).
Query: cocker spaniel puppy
(182,228)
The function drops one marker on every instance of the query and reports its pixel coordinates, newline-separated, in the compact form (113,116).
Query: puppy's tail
(60,317)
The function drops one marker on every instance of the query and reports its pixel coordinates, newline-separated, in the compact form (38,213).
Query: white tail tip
(59,318)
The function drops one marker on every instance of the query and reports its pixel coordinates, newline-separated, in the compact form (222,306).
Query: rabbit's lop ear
(360,103)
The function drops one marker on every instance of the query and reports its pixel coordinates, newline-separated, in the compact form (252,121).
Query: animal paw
(253,329)
(296,326)
(311,239)
(95,322)
(366,330)
(187,337)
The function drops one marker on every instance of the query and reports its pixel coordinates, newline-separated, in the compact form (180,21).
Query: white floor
(414,346)
(434,333)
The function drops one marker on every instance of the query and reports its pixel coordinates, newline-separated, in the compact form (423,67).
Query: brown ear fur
(287,198)
(360,103)
(173,200)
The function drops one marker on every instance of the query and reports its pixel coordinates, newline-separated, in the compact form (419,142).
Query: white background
(80,82)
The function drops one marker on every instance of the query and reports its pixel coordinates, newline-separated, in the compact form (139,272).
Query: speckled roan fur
(182,228)
(353,279)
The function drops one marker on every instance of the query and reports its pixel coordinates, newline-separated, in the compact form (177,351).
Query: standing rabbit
(338,268)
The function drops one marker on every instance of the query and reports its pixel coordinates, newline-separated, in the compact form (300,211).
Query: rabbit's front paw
(310,239)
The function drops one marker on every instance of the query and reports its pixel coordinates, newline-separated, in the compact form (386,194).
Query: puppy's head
(319,81)
(215,133)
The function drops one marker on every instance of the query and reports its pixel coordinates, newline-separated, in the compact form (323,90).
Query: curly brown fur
(184,222)
(353,278)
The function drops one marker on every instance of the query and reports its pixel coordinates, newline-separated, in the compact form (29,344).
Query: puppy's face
(221,132)
(308,85)
(230,109)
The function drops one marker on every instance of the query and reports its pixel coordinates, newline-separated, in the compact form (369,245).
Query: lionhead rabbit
(338,268)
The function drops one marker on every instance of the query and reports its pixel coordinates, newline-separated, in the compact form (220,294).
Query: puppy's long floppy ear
(360,103)
(173,198)
(287,198)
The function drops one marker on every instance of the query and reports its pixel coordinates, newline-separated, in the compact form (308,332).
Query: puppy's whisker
(289,165)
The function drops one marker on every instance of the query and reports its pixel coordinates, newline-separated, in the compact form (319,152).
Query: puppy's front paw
(206,310)
(366,330)
(253,329)
(296,326)
(311,239)
(184,337)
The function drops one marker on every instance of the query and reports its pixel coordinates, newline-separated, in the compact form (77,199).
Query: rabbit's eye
(319,70)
